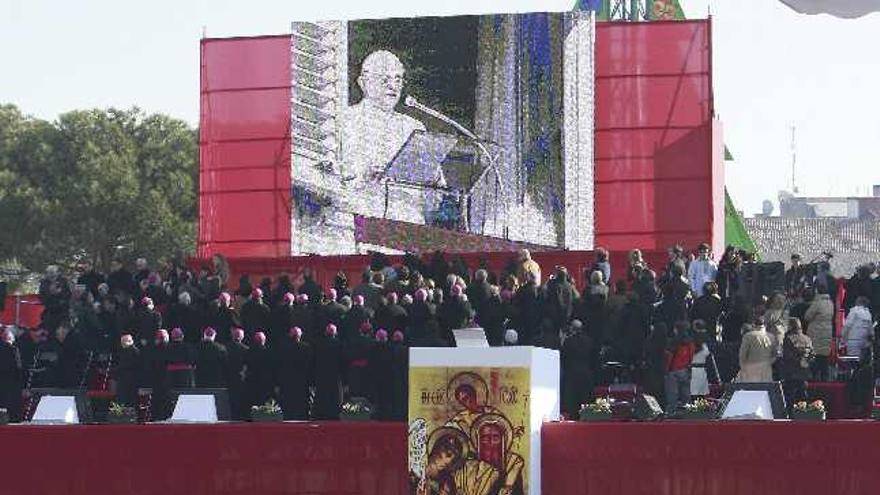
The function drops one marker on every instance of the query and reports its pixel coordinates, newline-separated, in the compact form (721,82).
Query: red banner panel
(721,458)
(228,459)
(244,180)
(23,311)
(658,182)
(325,268)
(241,63)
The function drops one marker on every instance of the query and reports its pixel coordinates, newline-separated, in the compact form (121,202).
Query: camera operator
(795,278)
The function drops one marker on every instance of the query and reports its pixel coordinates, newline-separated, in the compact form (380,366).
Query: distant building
(861,208)
(852,241)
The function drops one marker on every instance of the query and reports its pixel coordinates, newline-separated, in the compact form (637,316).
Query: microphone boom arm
(478,141)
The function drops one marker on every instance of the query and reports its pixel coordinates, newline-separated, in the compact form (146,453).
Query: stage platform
(669,458)
(716,458)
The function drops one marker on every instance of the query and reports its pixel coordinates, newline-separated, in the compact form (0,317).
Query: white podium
(475,418)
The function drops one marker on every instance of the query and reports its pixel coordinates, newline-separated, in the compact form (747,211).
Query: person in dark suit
(381,375)
(222,317)
(397,316)
(419,313)
(260,378)
(311,288)
(10,375)
(399,376)
(295,375)
(128,371)
(331,312)
(255,314)
(355,319)
(578,361)
(479,291)
(708,308)
(181,361)
(526,301)
(236,359)
(210,361)
(185,315)
(147,320)
(455,312)
(329,369)
(492,316)
(628,339)
(281,319)
(357,358)
(303,316)
(156,364)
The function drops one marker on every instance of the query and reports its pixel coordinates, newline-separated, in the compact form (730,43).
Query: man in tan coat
(819,320)
(756,355)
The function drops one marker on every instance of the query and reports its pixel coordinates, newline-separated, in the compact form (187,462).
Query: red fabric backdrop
(244,147)
(670,458)
(681,458)
(326,267)
(658,154)
(307,458)
(22,310)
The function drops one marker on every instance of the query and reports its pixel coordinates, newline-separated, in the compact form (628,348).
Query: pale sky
(774,68)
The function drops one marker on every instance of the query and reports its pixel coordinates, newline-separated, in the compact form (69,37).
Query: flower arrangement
(598,410)
(267,412)
(601,405)
(700,408)
(815,406)
(268,407)
(814,410)
(701,405)
(120,413)
(357,409)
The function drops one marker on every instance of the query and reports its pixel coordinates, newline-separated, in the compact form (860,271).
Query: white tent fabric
(849,9)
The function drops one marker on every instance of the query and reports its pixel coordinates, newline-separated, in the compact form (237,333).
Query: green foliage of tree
(96,185)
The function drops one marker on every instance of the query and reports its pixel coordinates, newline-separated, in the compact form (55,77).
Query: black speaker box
(771,278)
(646,408)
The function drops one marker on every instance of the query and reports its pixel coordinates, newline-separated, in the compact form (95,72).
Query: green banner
(634,10)
(735,233)
(664,10)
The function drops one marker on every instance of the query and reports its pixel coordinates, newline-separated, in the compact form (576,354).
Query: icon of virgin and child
(473,452)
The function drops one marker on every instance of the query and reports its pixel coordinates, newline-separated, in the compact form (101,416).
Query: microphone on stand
(478,141)
(412,102)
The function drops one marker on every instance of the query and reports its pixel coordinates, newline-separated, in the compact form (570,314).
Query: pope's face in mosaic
(381,80)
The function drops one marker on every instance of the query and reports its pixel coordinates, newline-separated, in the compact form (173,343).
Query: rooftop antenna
(794,187)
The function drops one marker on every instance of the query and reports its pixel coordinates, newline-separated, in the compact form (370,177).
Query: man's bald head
(381,79)
(382,62)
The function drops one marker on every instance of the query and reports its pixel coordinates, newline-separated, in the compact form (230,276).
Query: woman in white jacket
(703,369)
(858,330)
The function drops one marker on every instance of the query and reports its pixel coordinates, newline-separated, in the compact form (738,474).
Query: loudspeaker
(60,406)
(771,278)
(753,401)
(200,405)
(647,408)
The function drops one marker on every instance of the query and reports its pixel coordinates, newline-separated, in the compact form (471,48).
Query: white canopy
(840,8)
